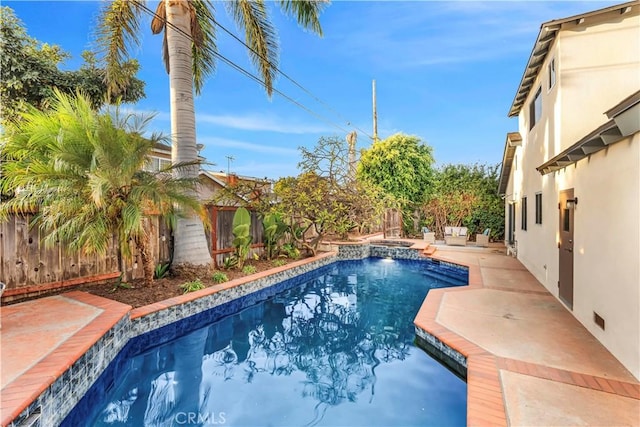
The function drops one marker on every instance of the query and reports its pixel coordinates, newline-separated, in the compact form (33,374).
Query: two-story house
(571,174)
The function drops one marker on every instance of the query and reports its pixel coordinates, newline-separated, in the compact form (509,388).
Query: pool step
(451,279)
(429,250)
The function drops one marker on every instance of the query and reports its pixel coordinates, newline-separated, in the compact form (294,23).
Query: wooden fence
(221,238)
(392,226)
(28,266)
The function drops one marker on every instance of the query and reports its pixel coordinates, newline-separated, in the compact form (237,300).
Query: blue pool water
(335,350)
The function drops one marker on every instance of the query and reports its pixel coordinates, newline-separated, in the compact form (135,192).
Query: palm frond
(204,48)
(79,172)
(118,30)
(260,35)
(306,12)
(160,18)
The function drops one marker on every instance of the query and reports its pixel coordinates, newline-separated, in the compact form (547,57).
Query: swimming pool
(334,347)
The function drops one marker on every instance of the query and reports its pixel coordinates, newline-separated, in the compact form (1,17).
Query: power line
(247,73)
(282,73)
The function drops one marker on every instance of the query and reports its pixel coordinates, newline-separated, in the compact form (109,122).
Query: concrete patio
(529,361)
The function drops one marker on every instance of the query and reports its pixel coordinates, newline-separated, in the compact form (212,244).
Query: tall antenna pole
(375,114)
(229,160)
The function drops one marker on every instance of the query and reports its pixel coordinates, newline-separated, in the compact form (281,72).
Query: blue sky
(445,71)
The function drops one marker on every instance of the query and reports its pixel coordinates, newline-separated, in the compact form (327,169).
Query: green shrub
(278,262)
(291,251)
(161,271)
(249,269)
(194,285)
(219,277)
(120,284)
(230,262)
(242,234)
(274,229)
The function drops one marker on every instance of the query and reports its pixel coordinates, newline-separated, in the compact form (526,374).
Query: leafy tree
(362,203)
(188,28)
(30,71)
(401,166)
(252,194)
(329,158)
(465,195)
(304,203)
(81,172)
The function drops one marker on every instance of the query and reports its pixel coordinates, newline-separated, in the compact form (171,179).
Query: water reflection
(331,333)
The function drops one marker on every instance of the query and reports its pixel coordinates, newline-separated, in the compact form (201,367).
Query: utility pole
(375,114)
(352,139)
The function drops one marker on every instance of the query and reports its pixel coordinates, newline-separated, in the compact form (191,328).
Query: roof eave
(546,36)
(624,120)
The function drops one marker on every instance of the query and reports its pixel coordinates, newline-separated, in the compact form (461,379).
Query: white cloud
(212,142)
(259,122)
(248,122)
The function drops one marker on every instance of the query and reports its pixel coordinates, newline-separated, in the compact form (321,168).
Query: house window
(164,163)
(523,218)
(512,223)
(535,109)
(154,164)
(539,208)
(552,73)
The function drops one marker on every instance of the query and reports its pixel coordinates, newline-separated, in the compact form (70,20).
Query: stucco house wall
(597,65)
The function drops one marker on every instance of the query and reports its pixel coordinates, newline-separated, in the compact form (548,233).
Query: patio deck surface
(529,360)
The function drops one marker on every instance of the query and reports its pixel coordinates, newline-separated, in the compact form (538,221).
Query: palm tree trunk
(143,244)
(190,241)
(146,259)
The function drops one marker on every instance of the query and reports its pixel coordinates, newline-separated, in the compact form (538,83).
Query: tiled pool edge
(56,401)
(53,395)
(145,319)
(485,401)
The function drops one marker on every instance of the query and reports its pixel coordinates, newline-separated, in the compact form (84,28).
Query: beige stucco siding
(597,66)
(607,248)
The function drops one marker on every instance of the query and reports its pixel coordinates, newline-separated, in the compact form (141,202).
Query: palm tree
(189,53)
(81,171)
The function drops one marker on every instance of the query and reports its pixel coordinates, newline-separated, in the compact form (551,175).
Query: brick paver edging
(485,403)
(31,392)
(485,398)
(50,389)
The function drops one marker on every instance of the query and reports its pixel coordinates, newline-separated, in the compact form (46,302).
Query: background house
(222,193)
(571,174)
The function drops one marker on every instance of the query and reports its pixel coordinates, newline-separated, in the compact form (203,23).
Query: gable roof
(514,139)
(548,32)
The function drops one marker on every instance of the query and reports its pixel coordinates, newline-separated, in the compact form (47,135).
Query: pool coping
(53,386)
(485,394)
(19,398)
(485,401)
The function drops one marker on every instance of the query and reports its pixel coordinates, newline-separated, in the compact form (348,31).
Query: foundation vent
(598,320)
